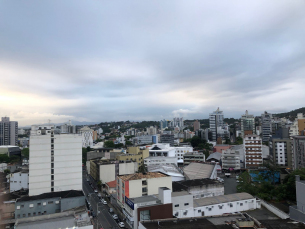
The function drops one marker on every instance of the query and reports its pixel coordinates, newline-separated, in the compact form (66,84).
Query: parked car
(115,216)
(110,210)
(104,201)
(95,190)
(99,195)
(121,224)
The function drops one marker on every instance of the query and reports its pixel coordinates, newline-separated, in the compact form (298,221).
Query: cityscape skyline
(149,61)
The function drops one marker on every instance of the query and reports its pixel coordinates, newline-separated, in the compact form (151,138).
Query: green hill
(291,114)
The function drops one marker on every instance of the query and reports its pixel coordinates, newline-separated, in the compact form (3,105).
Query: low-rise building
(167,138)
(145,140)
(280,149)
(148,208)
(214,157)
(230,159)
(110,187)
(217,205)
(139,184)
(193,157)
(101,152)
(137,154)
(10,150)
(48,203)
(19,180)
(298,153)
(107,170)
(200,171)
(200,188)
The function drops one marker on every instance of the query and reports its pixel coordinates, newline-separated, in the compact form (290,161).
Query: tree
(99,184)
(84,155)
(238,141)
(142,169)
(7,171)
(25,152)
(109,144)
(245,184)
(128,143)
(4,158)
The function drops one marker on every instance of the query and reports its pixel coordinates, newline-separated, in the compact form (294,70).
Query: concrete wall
(183,205)
(209,190)
(19,181)
(32,208)
(153,184)
(72,202)
(135,188)
(107,173)
(128,168)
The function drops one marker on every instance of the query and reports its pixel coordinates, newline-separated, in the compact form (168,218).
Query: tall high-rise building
(87,135)
(266,126)
(8,132)
(163,124)
(196,125)
(216,120)
(55,161)
(177,122)
(247,124)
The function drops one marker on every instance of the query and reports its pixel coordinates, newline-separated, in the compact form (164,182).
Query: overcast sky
(100,61)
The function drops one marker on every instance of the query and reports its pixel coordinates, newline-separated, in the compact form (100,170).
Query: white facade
(21,131)
(151,130)
(68,128)
(87,136)
(55,161)
(18,181)
(180,151)
(230,159)
(160,160)
(162,150)
(212,206)
(3,166)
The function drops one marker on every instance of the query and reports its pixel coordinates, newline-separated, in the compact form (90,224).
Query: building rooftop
(138,176)
(8,146)
(188,223)
(170,170)
(198,170)
(143,199)
(183,193)
(63,194)
(111,184)
(186,184)
(221,199)
(215,156)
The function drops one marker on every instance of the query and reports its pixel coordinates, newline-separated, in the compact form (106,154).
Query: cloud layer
(134,60)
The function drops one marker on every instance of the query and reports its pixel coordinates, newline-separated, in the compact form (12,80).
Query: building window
(241,204)
(45,212)
(50,202)
(18,216)
(22,206)
(34,213)
(23,215)
(176,205)
(199,211)
(186,204)
(29,214)
(38,204)
(145,215)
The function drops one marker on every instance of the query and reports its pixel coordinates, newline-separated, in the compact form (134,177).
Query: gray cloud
(100,60)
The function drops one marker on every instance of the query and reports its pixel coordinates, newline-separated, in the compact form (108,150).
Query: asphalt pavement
(103,218)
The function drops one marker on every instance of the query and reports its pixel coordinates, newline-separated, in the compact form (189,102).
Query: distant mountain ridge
(291,114)
(76,123)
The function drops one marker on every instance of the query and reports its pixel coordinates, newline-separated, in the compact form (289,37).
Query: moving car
(121,224)
(104,201)
(95,190)
(115,216)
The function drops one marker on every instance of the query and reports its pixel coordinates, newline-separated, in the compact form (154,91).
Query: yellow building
(134,154)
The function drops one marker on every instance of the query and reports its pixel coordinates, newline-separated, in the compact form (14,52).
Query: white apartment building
(216,124)
(19,181)
(253,151)
(180,151)
(68,128)
(87,136)
(55,161)
(160,160)
(230,159)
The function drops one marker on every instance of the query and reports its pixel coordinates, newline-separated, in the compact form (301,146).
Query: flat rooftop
(221,199)
(198,223)
(138,176)
(186,184)
(63,194)
(143,199)
(183,193)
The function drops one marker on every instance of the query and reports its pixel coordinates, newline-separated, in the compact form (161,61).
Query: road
(104,219)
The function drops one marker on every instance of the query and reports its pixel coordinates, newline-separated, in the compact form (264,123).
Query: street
(103,218)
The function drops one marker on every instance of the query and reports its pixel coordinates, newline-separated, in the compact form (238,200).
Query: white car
(121,224)
(104,201)
(115,216)
(95,190)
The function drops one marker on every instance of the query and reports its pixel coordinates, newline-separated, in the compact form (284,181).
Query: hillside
(291,114)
